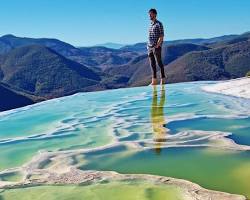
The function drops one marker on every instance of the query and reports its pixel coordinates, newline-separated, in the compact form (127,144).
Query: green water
(138,115)
(213,169)
(110,191)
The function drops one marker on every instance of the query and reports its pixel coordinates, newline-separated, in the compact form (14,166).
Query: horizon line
(123,44)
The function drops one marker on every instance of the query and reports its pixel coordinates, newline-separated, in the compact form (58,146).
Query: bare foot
(163,81)
(154,81)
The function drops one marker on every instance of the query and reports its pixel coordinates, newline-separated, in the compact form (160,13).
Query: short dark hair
(153,11)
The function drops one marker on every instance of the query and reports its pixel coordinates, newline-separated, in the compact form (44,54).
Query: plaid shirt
(155,31)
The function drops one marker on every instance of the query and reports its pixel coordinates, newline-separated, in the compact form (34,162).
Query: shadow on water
(158,118)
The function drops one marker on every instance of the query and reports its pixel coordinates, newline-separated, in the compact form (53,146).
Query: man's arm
(161,38)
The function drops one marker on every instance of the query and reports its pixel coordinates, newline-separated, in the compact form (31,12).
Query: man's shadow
(158,118)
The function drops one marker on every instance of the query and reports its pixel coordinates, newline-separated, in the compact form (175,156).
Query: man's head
(152,14)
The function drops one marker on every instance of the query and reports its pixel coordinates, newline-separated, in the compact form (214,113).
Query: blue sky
(90,22)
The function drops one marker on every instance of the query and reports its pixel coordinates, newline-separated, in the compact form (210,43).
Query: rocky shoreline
(189,190)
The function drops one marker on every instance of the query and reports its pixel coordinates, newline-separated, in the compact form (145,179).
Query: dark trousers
(153,57)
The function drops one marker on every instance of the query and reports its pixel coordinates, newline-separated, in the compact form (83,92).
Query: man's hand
(157,46)
(160,40)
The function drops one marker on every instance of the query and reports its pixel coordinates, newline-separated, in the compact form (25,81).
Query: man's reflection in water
(157,118)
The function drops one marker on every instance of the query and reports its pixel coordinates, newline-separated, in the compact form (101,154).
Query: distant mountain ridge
(198,41)
(43,72)
(9,42)
(221,63)
(111,45)
(33,70)
(98,57)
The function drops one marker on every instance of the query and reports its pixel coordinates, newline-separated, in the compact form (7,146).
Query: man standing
(154,46)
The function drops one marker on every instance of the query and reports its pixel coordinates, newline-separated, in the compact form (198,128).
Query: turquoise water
(146,116)
(239,127)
